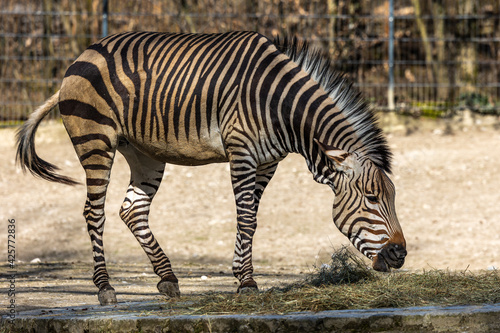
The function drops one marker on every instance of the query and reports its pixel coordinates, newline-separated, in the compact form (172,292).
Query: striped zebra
(237,97)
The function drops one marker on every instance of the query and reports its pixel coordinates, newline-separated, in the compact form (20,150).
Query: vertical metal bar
(390,89)
(105,10)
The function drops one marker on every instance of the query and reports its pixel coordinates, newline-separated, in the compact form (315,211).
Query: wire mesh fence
(445,55)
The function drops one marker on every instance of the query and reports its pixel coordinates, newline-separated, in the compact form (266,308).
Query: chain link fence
(417,57)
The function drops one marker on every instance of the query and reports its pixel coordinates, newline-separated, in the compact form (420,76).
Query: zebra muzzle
(391,256)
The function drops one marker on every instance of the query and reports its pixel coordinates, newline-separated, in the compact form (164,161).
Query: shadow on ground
(48,286)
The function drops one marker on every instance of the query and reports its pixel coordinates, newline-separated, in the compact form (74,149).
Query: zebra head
(363,208)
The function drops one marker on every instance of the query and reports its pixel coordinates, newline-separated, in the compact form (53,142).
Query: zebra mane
(349,100)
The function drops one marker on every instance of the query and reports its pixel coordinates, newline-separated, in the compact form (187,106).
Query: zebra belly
(195,151)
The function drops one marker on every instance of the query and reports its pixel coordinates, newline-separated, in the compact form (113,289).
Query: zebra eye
(372,198)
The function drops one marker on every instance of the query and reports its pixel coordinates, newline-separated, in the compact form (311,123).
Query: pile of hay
(345,267)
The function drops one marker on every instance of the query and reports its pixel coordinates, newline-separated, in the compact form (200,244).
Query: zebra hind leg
(97,165)
(94,136)
(145,178)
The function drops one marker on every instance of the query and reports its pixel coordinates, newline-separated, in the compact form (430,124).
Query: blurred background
(415,57)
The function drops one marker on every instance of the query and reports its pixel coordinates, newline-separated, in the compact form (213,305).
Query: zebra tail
(26,155)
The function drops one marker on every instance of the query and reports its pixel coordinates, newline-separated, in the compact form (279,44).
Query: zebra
(237,97)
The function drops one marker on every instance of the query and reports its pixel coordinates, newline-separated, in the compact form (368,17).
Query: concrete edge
(151,317)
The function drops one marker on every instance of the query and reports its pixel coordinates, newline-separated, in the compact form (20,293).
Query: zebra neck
(313,115)
(322,119)
(297,115)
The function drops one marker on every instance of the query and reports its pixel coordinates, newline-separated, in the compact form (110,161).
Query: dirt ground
(448,203)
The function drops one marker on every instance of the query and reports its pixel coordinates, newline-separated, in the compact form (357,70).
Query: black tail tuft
(26,155)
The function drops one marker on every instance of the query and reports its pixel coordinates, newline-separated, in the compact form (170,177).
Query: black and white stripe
(236,97)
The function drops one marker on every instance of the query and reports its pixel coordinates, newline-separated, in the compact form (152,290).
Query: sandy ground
(448,203)
(59,285)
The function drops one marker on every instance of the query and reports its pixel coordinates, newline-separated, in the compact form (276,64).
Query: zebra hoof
(169,288)
(107,295)
(248,287)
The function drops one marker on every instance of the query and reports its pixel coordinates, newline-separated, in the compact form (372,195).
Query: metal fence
(438,56)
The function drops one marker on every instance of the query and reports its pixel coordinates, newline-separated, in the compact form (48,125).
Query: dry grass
(348,284)
(344,268)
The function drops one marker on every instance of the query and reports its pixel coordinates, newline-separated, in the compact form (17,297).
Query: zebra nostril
(400,252)
(397,252)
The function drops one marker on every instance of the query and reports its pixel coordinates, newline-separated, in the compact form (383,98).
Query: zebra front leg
(247,221)
(242,260)
(243,176)
(146,176)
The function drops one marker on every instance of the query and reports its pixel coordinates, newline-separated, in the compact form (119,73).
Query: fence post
(105,10)
(390,89)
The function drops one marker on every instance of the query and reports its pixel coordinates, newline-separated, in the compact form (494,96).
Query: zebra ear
(342,160)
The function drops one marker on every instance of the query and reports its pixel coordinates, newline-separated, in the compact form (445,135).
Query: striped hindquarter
(193,99)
